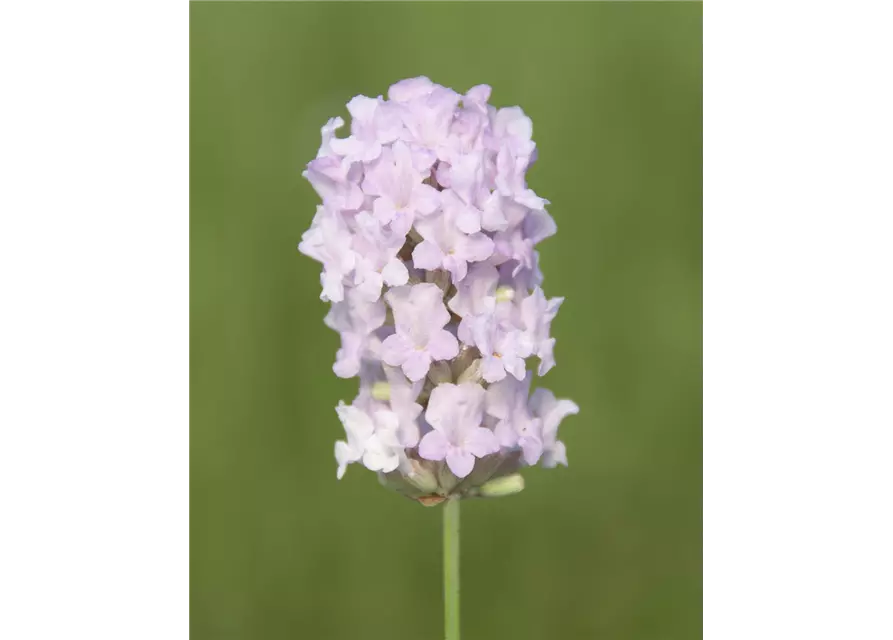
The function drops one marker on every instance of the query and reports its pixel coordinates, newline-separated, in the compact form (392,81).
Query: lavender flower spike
(426,234)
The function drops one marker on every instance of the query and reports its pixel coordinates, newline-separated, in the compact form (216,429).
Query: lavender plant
(427,233)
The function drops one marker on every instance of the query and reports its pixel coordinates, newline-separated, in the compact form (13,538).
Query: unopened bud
(381,391)
(505,486)
(505,294)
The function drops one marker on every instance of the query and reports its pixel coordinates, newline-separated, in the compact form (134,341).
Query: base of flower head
(430,483)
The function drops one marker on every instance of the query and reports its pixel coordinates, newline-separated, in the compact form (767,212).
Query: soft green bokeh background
(608,548)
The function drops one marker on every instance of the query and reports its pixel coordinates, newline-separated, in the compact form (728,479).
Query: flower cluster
(427,234)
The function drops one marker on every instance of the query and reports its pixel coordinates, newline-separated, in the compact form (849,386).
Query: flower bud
(381,391)
(505,294)
(505,486)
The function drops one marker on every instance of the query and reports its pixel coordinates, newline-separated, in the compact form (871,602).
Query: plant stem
(451,568)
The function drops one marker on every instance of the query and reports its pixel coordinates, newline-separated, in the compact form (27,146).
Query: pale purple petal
(423,158)
(410,89)
(427,255)
(460,462)
(478,95)
(342,457)
(469,220)
(441,404)
(466,330)
(505,434)
(501,398)
(492,217)
(384,210)
(492,368)
(328,134)
(433,446)
(555,456)
(482,330)
(515,366)
(465,175)
(416,364)
(532,449)
(344,146)
(357,424)
(481,442)
(381,460)
(370,288)
(396,349)
(529,199)
(547,357)
(442,174)
(539,225)
(425,199)
(457,267)
(347,359)
(475,294)
(556,411)
(476,247)
(443,345)
(332,286)
(362,109)
(395,273)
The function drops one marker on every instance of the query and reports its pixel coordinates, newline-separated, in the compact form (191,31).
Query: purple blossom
(402,396)
(455,412)
(398,185)
(355,318)
(537,314)
(329,241)
(476,294)
(446,246)
(377,261)
(371,437)
(419,316)
(428,111)
(503,347)
(359,428)
(552,411)
(516,426)
(335,183)
(373,123)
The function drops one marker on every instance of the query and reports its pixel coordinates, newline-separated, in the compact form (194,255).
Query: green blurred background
(608,548)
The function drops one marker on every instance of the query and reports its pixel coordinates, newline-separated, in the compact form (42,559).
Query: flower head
(426,235)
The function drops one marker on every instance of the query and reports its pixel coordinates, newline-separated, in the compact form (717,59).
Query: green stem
(451,568)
